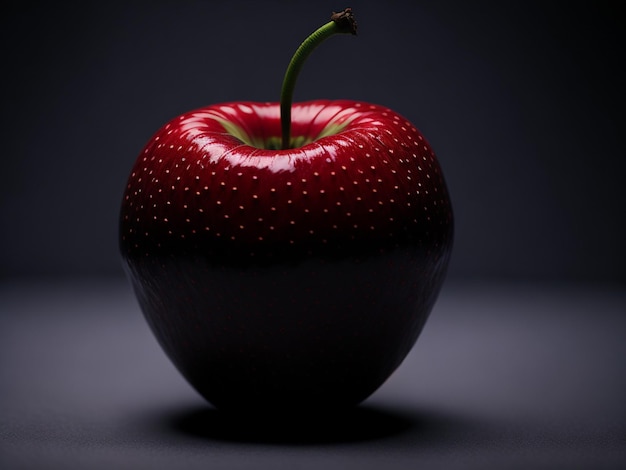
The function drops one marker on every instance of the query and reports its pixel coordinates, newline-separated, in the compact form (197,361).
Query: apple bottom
(315,335)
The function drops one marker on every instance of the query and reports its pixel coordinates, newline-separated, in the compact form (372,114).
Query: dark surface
(522,376)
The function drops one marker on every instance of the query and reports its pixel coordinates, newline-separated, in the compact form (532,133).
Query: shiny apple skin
(291,279)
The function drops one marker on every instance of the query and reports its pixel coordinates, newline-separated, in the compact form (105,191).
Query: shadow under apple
(361,423)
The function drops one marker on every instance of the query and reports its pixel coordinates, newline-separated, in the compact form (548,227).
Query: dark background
(523,101)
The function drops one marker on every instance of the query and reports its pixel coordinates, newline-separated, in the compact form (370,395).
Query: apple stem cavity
(340,23)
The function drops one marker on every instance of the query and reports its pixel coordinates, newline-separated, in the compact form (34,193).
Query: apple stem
(342,22)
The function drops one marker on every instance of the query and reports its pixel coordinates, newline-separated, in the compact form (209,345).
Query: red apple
(286,278)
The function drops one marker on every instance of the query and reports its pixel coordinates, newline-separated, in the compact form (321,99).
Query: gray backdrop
(523,102)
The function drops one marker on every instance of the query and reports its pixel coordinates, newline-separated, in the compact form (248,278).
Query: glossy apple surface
(286,279)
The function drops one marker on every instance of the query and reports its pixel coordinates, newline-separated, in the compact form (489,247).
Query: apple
(287,256)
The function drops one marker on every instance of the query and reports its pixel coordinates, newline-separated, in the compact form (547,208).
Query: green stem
(342,22)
